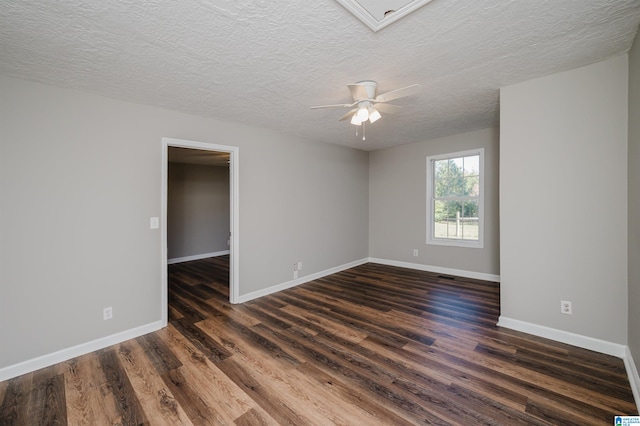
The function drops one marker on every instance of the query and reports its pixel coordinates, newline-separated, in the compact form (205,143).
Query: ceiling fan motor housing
(370,87)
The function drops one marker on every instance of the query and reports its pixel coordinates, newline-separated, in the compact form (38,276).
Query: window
(455,199)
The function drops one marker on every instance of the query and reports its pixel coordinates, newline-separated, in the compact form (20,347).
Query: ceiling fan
(367,106)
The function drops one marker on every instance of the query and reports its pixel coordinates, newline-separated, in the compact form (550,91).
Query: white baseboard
(197,257)
(585,342)
(438,269)
(301,280)
(634,379)
(28,366)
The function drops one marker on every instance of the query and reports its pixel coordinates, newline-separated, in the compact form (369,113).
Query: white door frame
(234,290)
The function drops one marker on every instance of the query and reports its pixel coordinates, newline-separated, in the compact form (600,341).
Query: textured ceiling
(266,61)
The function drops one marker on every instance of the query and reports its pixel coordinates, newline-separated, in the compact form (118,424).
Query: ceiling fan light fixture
(363,111)
(374,114)
(355,120)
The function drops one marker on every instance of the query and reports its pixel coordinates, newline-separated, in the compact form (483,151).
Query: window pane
(472,186)
(440,219)
(453,232)
(455,165)
(455,225)
(472,165)
(455,169)
(469,219)
(441,183)
(440,167)
(456,184)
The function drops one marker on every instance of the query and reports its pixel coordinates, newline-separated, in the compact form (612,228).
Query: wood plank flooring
(373,345)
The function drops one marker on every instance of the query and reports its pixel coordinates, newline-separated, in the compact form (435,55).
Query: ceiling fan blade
(348,115)
(358,92)
(332,106)
(388,108)
(399,93)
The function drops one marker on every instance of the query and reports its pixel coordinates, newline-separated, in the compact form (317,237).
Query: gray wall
(397,204)
(563,200)
(198,211)
(80,176)
(634,201)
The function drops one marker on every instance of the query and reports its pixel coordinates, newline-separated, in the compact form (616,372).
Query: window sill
(455,243)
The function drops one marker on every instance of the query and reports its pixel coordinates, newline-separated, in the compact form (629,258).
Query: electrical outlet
(415,252)
(565,307)
(300,266)
(154,223)
(107,313)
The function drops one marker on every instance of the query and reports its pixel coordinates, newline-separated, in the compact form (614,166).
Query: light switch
(154,223)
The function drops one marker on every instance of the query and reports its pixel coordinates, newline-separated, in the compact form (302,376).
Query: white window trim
(430,205)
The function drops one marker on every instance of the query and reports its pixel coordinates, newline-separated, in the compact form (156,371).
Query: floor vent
(446,277)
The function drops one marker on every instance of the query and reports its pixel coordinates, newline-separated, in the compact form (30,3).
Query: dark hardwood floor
(373,345)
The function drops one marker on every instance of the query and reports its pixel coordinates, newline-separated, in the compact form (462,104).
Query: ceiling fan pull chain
(363,135)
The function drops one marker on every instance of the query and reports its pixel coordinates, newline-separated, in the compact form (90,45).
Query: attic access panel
(377,14)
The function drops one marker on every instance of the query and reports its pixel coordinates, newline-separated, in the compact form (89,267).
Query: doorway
(232,152)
